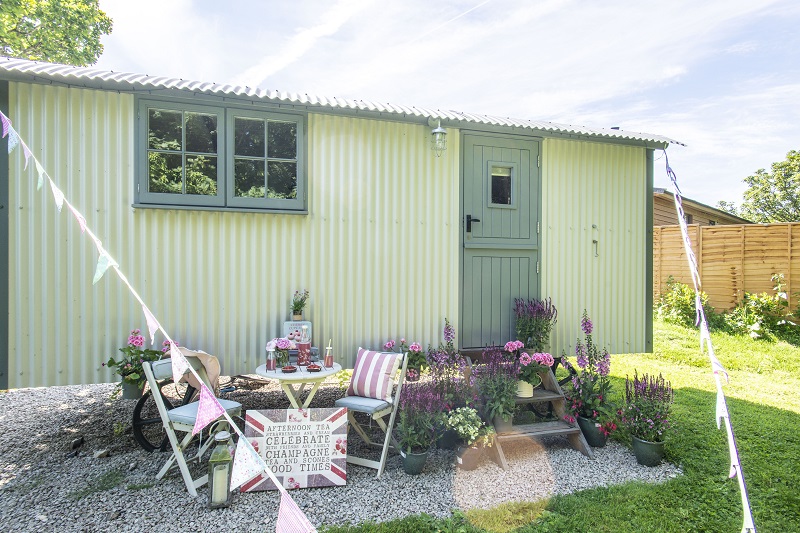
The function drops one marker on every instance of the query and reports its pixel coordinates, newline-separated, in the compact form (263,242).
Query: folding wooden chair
(375,391)
(182,419)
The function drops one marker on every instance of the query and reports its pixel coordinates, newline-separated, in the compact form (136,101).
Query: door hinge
(537,228)
(538,161)
(537,267)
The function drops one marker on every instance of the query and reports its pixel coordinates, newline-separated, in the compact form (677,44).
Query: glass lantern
(220,465)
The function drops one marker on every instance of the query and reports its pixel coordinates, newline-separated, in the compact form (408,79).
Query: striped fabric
(373,374)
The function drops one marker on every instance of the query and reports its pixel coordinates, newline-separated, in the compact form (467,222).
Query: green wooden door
(500,235)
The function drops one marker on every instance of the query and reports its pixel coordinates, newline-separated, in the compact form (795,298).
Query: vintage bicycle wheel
(148,429)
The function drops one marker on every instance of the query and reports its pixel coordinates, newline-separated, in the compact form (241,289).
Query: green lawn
(764,405)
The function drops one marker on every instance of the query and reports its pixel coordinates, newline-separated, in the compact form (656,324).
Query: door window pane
(501,186)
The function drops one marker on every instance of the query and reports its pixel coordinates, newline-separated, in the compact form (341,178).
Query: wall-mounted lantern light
(438,136)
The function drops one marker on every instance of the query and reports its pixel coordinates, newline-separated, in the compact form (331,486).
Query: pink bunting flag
(208,410)
(58,195)
(246,464)
(290,518)
(179,363)
(40,171)
(104,262)
(78,217)
(152,323)
(6,123)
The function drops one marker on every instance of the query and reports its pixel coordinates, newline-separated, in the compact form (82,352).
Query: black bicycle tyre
(150,438)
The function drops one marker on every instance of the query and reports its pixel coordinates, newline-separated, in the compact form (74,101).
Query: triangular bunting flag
(6,124)
(27,152)
(291,519)
(179,363)
(13,139)
(58,195)
(40,171)
(152,323)
(104,262)
(78,217)
(208,410)
(246,464)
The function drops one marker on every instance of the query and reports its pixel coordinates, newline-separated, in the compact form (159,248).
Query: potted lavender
(535,321)
(420,411)
(646,416)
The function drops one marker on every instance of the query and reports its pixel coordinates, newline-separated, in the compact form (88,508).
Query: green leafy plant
(765,315)
(129,366)
(646,411)
(299,301)
(534,322)
(467,423)
(496,380)
(447,368)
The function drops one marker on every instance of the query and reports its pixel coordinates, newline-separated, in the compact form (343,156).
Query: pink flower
(513,346)
(389,345)
(525,359)
(415,347)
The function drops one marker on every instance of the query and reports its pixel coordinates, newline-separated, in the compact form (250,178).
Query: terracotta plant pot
(647,453)
(468,457)
(591,432)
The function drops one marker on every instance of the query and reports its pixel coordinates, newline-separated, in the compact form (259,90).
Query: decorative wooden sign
(303,447)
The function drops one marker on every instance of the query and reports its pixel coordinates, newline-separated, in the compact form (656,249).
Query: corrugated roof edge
(88,77)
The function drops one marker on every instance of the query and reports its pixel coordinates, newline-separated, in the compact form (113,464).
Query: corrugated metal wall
(589,184)
(378,249)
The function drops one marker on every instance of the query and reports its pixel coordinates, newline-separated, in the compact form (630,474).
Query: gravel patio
(45,486)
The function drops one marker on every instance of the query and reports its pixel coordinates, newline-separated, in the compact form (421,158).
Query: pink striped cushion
(373,374)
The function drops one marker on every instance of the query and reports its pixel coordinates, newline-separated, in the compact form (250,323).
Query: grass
(764,407)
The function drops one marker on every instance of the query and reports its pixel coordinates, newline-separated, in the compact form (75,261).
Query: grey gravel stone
(36,480)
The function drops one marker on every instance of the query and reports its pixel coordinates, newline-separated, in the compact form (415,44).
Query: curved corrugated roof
(35,71)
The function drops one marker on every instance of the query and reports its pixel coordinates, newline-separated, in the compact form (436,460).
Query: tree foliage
(772,196)
(59,31)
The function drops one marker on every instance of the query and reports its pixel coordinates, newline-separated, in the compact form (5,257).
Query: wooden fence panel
(732,259)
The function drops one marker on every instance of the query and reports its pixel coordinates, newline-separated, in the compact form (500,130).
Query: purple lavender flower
(586,324)
(449,332)
(603,365)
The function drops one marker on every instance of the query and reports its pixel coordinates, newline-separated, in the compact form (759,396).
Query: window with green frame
(220,157)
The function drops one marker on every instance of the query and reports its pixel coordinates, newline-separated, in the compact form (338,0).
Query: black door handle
(470,220)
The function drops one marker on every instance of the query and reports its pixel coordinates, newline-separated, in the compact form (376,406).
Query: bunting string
(250,464)
(722,415)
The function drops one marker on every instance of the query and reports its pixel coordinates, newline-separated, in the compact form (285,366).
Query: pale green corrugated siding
(378,249)
(583,184)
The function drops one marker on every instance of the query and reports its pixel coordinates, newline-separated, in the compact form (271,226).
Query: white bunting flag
(104,262)
(40,171)
(78,217)
(58,195)
(27,152)
(179,363)
(246,464)
(13,139)
(290,518)
(152,323)
(208,410)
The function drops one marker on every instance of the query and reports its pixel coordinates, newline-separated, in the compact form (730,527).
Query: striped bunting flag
(290,518)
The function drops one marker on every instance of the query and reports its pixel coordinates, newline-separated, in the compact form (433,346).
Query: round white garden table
(294,384)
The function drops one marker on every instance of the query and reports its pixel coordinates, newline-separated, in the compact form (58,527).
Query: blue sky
(721,76)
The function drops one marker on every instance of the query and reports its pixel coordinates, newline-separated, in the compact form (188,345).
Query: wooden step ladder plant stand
(550,392)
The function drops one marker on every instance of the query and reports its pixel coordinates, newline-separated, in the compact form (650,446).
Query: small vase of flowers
(281,347)
(496,381)
(420,410)
(129,366)
(299,303)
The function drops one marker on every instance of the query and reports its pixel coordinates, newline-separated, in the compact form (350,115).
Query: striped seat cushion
(373,374)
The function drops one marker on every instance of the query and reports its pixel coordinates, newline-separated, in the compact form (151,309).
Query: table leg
(293,394)
(311,394)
